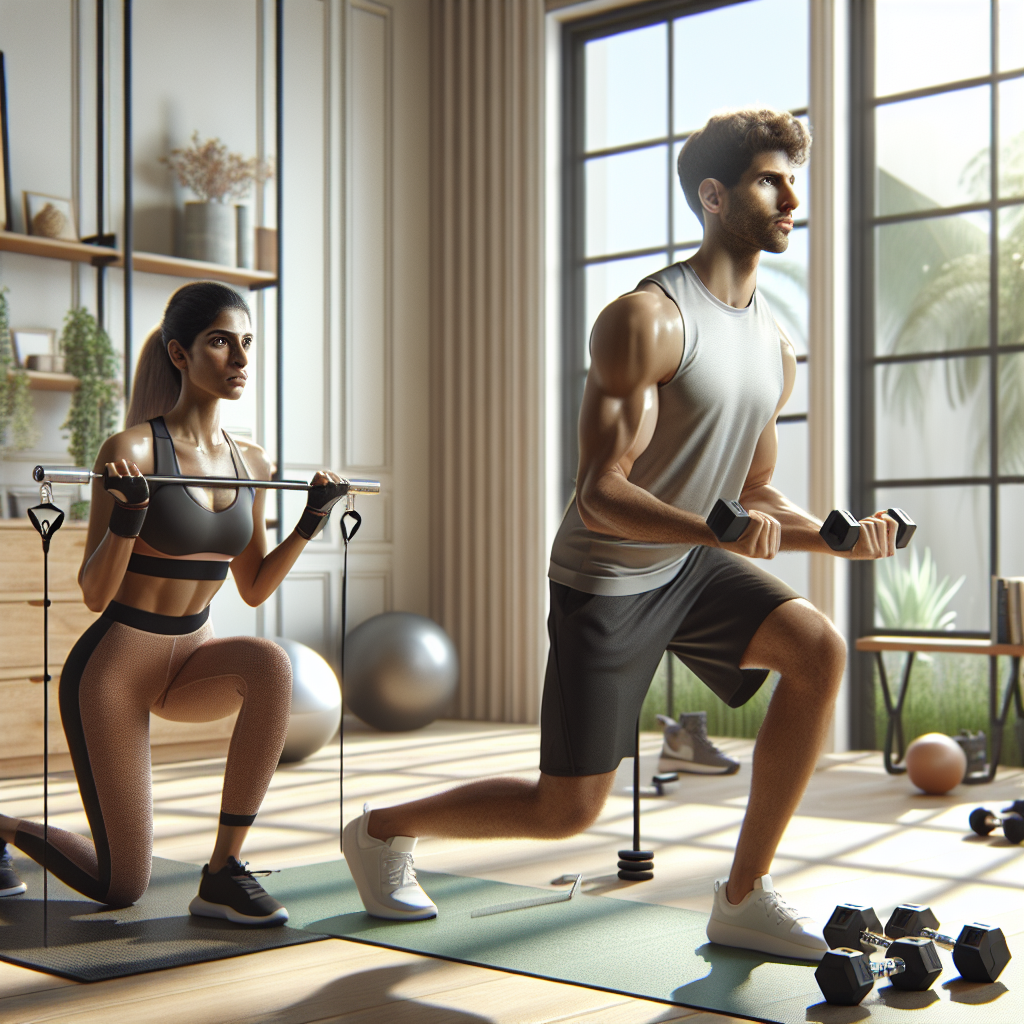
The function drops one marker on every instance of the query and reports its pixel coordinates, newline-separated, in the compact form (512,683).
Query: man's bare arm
(637,344)
(799,529)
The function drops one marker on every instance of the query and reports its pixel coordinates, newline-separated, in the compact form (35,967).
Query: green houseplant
(92,418)
(17,423)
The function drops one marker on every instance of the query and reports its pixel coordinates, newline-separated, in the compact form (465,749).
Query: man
(688,375)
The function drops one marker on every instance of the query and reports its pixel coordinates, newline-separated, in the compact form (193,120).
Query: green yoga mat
(87,942)
(637,949)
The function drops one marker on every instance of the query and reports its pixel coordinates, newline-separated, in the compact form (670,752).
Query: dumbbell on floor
(979,952)
(846,976)
(854,926)
(1011,821)
(728,520)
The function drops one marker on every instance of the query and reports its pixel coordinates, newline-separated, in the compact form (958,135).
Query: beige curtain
(487,468)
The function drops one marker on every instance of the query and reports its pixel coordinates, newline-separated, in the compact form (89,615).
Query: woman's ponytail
(157,382)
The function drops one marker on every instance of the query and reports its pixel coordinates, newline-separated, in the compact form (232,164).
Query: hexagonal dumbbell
(979,952)
(857,927)
(1011,821)
(846,976)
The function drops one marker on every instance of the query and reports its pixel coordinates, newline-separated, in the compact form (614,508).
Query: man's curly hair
(726,145)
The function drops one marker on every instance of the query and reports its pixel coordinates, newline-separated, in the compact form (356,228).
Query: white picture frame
(32,341)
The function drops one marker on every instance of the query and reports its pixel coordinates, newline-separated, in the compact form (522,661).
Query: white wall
(355,241)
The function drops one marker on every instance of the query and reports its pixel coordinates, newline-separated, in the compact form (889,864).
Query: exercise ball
(401,671)
(316,701)
(935,763)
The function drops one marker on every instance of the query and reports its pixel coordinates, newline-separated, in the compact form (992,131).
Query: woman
(154,558)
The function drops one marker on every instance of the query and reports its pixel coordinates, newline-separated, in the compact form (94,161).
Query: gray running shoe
(686,747)
(10,883)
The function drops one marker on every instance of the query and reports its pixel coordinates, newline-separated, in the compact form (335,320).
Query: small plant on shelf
(17,422)
(214,174)
(89,356)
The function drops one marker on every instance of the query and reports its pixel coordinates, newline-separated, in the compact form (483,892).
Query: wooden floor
(860,836)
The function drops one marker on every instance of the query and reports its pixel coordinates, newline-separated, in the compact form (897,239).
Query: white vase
(210,233)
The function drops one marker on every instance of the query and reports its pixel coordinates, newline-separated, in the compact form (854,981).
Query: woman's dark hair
(190,310)
(725,147)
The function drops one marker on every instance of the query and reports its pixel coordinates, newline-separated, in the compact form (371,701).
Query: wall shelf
(145,262)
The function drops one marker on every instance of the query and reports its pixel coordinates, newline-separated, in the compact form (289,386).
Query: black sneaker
(234,895)
(10,883)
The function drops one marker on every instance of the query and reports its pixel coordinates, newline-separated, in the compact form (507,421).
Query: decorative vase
(243,236)
(210,233)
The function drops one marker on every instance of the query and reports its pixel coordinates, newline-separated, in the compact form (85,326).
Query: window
(938,300)
(637,83)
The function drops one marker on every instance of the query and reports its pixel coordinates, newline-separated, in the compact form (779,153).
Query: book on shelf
(1006,610)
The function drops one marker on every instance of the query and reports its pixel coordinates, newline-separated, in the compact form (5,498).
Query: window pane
(931,419)
(952,533)
(1011,415)
(627,204)
(627,87)
(748,71)
(1011,536)
(1011,34)
(932,284)
(1011,138)
(782,279)
(1011,276)
(607,281)
(921,162)
(919,44)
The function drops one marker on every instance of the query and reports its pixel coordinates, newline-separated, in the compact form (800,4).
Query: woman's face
(217,361)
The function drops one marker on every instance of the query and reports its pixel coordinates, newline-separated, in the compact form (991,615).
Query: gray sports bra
(176,524)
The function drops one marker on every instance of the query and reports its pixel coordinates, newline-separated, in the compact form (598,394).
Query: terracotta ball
(935,763)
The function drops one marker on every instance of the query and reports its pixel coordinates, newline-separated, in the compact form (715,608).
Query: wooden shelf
(144,262)
(40,381)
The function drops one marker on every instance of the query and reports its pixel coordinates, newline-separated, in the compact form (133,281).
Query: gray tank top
(710,416)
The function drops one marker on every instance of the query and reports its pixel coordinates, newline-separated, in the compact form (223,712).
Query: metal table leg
(998,712)
(894,729)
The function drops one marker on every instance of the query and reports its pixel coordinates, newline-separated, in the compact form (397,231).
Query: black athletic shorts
(604,652)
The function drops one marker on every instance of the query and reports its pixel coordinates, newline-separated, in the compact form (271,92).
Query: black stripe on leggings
(236,819)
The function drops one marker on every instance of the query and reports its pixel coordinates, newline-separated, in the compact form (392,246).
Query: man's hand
(761,538)
(877,538)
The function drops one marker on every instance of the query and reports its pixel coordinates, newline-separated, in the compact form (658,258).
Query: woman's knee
(268,670)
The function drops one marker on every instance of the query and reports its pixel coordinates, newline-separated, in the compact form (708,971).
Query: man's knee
(568,805)
(798,641)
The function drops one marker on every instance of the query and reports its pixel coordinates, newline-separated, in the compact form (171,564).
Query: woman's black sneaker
(10,883)
(234,895)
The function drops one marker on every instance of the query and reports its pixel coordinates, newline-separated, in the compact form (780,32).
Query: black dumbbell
(846,976)
(841,531)
(979,952)
(1011,821)
(728,519)
(857,927)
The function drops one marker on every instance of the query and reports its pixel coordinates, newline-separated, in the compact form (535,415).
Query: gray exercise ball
(401,671)
(316,701)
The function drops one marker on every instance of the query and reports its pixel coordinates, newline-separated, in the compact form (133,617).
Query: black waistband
(151,622)
(178,568)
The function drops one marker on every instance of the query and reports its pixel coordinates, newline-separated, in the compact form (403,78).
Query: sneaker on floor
(765,922)
(233,894)
(10,883)
(384,873)
(686,747)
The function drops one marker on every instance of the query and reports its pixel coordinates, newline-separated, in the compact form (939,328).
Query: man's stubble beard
(747,229)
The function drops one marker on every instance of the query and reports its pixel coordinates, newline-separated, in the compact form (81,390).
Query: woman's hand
(326,489)
(126,484)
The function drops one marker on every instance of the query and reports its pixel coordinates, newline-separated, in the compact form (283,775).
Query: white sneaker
(384,874)
(765,922)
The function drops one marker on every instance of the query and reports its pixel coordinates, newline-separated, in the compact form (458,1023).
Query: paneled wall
(356,253)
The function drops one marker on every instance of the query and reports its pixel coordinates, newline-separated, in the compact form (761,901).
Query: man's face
(758,209)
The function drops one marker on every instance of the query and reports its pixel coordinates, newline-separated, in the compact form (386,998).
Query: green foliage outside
(913,597)
(17,422)
(90,356)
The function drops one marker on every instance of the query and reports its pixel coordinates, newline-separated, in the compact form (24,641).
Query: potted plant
(17,422)
(92,418)
(214,232)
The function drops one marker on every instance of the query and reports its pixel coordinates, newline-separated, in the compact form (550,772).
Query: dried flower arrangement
(214,174)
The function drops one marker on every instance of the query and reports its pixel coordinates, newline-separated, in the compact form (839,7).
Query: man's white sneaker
(384,874)
(765,922)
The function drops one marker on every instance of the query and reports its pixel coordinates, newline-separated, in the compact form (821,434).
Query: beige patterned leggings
(130,663)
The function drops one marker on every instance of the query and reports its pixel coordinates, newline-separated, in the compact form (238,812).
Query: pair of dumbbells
(1011,821)
(728,520)
(980,952)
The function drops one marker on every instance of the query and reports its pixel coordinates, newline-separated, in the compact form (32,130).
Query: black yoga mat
(636,949)
(87,942)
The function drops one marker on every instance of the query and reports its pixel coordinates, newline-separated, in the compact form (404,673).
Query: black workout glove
(131,499)
(322,498)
